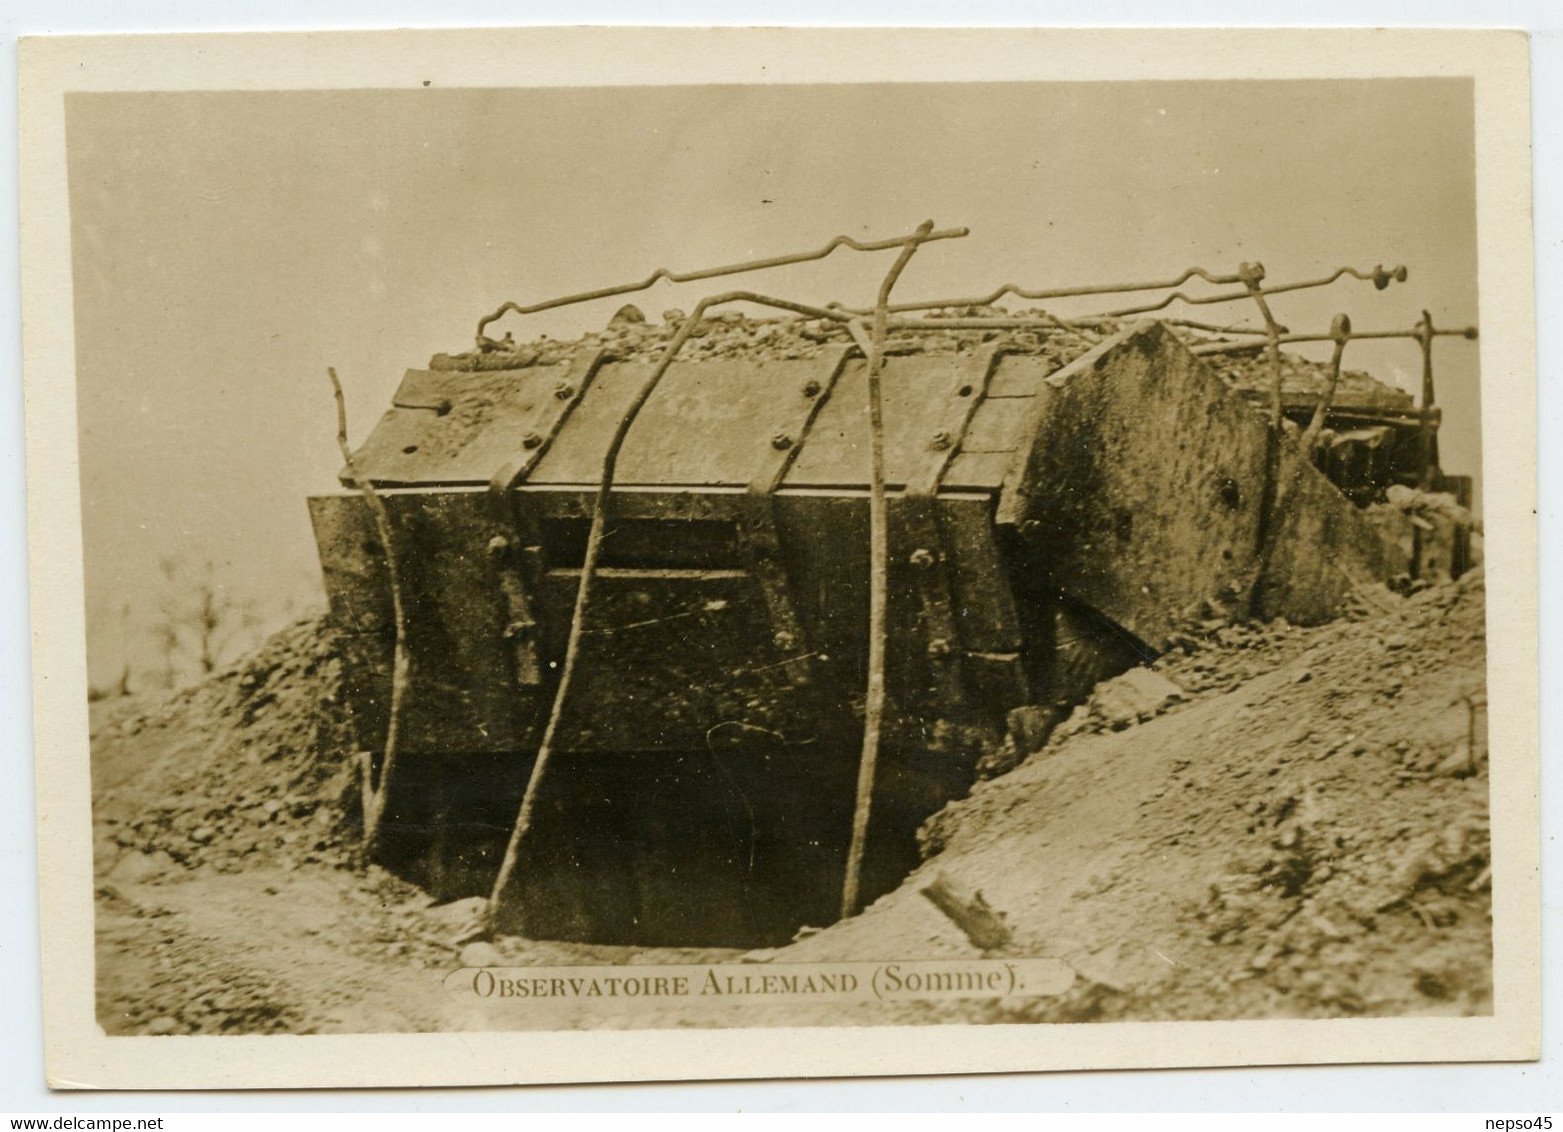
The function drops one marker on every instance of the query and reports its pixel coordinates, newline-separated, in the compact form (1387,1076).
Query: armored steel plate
(1143,511)
(667,655)
(921,397)
(708,423)
(461,696)
(461,428)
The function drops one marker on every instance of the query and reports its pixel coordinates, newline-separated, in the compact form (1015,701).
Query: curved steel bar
(712,272)
(1379,277)
(878,571)
(1340,331)
(1213,328)
(1048,323)
(375,785)
(1468,332)
(1060,292)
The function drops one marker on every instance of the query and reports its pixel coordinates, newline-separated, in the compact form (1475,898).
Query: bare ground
(1295,826)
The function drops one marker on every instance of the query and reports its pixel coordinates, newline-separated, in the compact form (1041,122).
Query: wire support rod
(662,273)
(878,570)
(526,817)
(375,786)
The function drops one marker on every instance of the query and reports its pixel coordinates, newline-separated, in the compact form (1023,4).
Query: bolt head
(564,391)
(531,440)
(784,640)
(498,545)
(939,441)
(922,558)
(781,442)
(940,648)
(811,388)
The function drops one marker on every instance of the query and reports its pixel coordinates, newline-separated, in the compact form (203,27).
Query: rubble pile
(1274,821)
(629,336)
(253,765)
(1249,370)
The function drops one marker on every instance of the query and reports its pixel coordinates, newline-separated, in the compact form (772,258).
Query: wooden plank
(998,681)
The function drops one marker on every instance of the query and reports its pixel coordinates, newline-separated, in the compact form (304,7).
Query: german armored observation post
(1057,499)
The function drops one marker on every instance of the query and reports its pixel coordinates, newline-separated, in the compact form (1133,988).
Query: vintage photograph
(783,554)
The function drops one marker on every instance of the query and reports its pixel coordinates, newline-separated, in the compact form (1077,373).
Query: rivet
(781,442)
(939,648)
(922,558)
(531,440)
(784,640)
(498,545)
(811,388)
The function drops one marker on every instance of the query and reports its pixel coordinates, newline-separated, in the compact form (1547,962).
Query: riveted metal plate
(708,424)
(456,429)
(921,398)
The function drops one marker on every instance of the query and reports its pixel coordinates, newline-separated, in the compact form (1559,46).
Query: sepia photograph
(997,551)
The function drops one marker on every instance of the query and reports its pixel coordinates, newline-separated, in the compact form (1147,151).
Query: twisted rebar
(712,272)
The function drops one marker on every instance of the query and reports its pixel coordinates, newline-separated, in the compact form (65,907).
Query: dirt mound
(1301,831)
(250,766)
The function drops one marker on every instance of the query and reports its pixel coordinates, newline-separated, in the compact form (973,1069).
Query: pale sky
(227,247)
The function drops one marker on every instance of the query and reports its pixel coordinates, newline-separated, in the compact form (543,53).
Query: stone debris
(1250,371)
(630,336)
(1266,847)
(730,333)
(1138,695)
(257,763)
